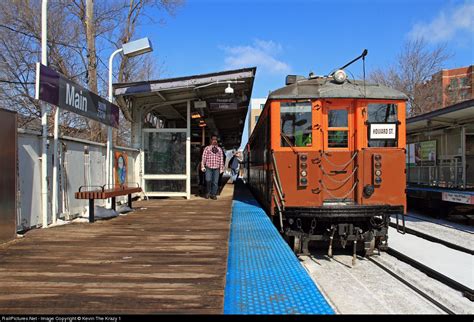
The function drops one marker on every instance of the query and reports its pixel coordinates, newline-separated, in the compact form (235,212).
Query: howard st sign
(56,89)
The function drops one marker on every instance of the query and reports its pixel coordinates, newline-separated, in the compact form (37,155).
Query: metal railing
(447,175)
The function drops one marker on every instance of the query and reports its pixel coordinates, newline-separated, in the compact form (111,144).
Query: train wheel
(297,245)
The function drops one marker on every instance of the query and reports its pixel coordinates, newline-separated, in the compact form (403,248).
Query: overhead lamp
(195,115)
(229,89)
(137,47)
(202,124)
(340,76)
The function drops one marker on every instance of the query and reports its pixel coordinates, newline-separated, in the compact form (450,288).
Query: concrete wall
(81,163)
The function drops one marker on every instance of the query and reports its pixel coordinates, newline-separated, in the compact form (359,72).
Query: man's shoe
(213,197)
(206,196)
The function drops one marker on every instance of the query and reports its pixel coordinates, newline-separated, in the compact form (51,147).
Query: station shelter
(440,147)
(173,119)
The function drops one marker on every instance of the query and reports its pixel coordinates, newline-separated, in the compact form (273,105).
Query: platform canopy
(220,98)
(457,114)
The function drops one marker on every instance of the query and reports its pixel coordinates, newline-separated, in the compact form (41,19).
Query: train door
(338,157)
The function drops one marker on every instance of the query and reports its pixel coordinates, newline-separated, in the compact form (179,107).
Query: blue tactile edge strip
(263,274)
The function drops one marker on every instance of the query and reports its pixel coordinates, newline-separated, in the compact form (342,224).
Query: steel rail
(413,287)
(466,291)
(417,233)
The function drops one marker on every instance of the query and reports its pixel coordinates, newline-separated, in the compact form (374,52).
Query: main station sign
(56,89)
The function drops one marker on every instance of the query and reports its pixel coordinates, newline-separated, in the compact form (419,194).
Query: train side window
(295,124)
(382,113)
(338,128)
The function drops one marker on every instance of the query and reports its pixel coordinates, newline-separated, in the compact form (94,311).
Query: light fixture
(229,89)
(340,76)
(195,115)
(202,124)
(137,47)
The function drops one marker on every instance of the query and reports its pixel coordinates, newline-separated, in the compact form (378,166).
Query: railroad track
(419,291)
(435,239)
(466,291)
(441,224)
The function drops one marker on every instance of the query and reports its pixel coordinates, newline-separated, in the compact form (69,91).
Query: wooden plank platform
(170,256)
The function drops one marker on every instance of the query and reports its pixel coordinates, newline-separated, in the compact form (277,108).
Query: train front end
(336,163)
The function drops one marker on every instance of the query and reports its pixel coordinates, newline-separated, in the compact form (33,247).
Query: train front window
(337,128)
(382,113)
(295,124)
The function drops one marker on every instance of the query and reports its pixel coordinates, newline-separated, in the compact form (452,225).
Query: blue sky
(299,36)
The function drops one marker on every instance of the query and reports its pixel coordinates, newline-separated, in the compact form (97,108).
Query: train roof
(327,88)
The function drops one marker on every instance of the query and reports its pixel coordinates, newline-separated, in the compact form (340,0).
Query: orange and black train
(326,160)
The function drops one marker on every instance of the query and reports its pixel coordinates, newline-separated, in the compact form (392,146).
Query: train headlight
(340,76)
(378,180)
(303,173)
(378,165)
(378,173)
(303,181)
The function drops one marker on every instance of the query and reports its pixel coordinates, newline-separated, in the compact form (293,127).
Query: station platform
(263,274)
(171,256)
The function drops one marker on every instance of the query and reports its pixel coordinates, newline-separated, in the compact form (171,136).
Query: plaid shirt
(213,160)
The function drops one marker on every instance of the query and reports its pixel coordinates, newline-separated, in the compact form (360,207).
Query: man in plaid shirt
(212,164)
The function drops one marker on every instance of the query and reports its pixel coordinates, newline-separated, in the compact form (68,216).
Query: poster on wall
(121,162)
(422,153)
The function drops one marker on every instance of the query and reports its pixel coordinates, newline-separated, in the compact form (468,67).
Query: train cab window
(382,113)
(295,124)
(338,128)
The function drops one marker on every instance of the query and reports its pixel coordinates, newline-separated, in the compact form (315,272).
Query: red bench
(103,193)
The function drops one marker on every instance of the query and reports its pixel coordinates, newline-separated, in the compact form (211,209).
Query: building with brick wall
(447,87)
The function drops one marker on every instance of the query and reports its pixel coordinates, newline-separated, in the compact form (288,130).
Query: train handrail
(279,212)
(276,176)
(277,183)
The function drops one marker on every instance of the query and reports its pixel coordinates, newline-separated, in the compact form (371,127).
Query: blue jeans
(212,180)
(235,174)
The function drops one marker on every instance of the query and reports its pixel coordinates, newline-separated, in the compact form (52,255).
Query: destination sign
(56,89)
(382,131)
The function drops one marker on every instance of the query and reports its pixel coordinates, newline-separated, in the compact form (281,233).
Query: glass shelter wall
(164,152)
(166,160)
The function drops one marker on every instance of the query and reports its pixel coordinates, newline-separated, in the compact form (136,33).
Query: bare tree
(415,65)
(81,35)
